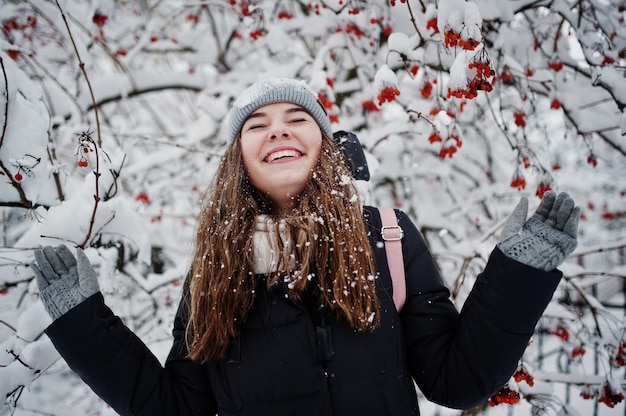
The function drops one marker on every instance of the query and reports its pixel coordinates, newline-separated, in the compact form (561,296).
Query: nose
(279,131)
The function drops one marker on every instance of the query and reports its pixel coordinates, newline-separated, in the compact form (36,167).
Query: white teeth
(282,153)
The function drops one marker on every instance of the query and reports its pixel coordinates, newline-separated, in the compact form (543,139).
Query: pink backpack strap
(392,235)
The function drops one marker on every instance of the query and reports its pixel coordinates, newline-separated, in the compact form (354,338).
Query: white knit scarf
(266,256)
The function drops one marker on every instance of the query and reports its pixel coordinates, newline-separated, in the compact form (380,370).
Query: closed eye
(256,126)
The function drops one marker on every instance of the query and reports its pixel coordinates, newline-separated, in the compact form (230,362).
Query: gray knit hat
(277,90)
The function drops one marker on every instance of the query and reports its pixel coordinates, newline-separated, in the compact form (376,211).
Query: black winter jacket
(278,365)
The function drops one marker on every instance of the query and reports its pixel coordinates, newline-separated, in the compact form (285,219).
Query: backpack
(354,157)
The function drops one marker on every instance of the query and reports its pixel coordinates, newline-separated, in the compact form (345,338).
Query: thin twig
(81,65)
(413,21)
(419,114)
(96,195)
(6,103)
(590,304)
(8,325)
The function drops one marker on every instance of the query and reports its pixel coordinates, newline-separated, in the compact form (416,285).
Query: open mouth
(282,154)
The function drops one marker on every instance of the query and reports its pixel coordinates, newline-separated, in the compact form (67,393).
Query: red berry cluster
(85,146)
(483,69)
(611,215)
(436,110)
(518,182)
(471,91)
(556,65)
(256,34)
(27,28)
(370,106)
(284,15)
(578,351)
(327,103)
(592,160)
(542,189)
(244,6)
(385,29)
(25,167)
(434,137)
(432,24)
(12,24)
(620,356)
(355,30)
(522,375)
(457,140)
(426,89)
(608,61)
(610,397)
(447,151)
(520,118)
(506,76)
(99,19)
(450,146)
(315,7)
(587,392)
(13,53)
(504,396)
(480,82)
(468,44)
(555,104)
(561,332)
(143,197)
(388,94)
(451,38)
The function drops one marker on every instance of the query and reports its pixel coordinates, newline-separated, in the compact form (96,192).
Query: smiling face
(280,146)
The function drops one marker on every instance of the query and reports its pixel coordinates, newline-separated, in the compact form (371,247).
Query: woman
(288,305)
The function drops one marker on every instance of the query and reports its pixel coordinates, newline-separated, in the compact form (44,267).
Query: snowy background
(111,126)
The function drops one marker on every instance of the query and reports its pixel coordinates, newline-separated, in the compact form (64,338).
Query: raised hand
(64,280)
(547,238)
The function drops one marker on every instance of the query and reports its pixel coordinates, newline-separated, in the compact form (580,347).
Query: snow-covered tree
(111,120)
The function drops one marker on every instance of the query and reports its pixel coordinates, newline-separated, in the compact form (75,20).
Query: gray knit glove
(547,238)
(63,281)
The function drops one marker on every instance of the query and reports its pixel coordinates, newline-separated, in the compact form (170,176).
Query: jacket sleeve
(120,368)
(460,360)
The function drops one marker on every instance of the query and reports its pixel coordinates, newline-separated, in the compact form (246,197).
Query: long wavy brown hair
(327,239)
